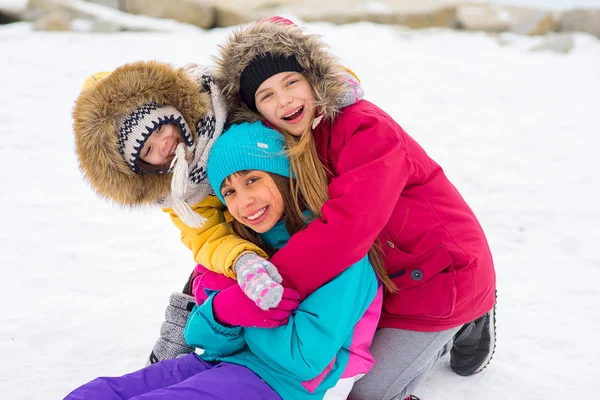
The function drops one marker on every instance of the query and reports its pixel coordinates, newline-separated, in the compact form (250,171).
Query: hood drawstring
(179,184)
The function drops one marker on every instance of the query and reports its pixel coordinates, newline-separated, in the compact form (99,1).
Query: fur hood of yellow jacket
(112,118)
(108,97)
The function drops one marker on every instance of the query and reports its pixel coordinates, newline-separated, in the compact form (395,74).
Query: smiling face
(253,199)
(159,148)
(287,101)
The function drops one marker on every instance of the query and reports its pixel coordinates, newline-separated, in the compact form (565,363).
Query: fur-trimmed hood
(323,71)
(95,118)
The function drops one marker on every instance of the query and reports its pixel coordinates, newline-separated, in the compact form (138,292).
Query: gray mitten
(171,343)
(259,280)
(353,91)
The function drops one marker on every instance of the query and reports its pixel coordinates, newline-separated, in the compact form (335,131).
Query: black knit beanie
(259,70)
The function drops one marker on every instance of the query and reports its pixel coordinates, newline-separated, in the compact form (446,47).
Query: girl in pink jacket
(381,187)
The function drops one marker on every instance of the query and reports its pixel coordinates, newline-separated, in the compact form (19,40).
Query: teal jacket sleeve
(203,331)
(320,326)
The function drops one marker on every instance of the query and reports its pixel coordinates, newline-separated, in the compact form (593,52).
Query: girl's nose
(164,145)
(284,99)
(247,199)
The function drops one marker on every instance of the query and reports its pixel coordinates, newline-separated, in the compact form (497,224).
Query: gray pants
(403,359)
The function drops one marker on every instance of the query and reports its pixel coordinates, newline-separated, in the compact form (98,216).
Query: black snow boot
(474,345)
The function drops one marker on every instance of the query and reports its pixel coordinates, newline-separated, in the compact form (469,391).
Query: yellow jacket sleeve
(214,245)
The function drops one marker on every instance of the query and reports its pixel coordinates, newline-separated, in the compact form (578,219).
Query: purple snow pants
(188,378)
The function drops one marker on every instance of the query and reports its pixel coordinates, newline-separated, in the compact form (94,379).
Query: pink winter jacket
(383,185)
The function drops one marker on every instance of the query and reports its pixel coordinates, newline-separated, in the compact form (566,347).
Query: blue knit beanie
(246,146)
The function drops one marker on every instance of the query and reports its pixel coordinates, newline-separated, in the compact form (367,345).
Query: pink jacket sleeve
(206,279)
(373,168)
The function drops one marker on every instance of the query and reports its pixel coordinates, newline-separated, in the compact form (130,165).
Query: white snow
(84,283)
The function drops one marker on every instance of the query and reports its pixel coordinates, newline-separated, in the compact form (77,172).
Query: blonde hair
(310,190)
(311,176)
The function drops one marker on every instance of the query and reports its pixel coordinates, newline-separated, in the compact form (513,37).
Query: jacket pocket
(426,286)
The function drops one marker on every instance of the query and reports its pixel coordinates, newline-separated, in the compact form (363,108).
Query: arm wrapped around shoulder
(232,307)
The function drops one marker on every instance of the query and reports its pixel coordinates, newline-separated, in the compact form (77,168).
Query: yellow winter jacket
(214,245)
(107,95)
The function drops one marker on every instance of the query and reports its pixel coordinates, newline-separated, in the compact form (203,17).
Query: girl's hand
(171,343)
(209,280)
(232,307)
(196,71)
(260,280)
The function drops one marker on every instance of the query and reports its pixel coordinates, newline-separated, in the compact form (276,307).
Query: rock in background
(118,15)
(581,21)
(495,18)
(201,13)
(411,13)
(96,16)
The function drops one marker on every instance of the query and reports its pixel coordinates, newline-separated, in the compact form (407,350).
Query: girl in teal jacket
(318,354)
(323,349)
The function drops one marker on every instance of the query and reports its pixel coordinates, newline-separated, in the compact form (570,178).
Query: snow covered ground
(84,283)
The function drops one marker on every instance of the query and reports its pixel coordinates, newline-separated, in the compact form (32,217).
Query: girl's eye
(291,82)
(250,181)
(227,193)
(159,131)
(148,151)
(265,96)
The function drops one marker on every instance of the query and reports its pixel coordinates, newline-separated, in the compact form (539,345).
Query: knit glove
(353,91)
(233,308)
(196,71)
(259,279)
(171,343)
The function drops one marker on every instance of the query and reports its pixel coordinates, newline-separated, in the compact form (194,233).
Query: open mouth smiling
(294,114)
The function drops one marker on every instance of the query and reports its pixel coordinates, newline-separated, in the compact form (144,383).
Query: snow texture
(85,283)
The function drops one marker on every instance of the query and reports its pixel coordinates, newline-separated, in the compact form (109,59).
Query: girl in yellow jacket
(142,136)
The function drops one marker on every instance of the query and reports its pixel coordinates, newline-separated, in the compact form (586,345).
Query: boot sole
(492,333)
(492,330)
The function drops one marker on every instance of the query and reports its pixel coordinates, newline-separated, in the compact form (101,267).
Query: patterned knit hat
(135,129)
(246,146)
(259,70)
(115,114)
